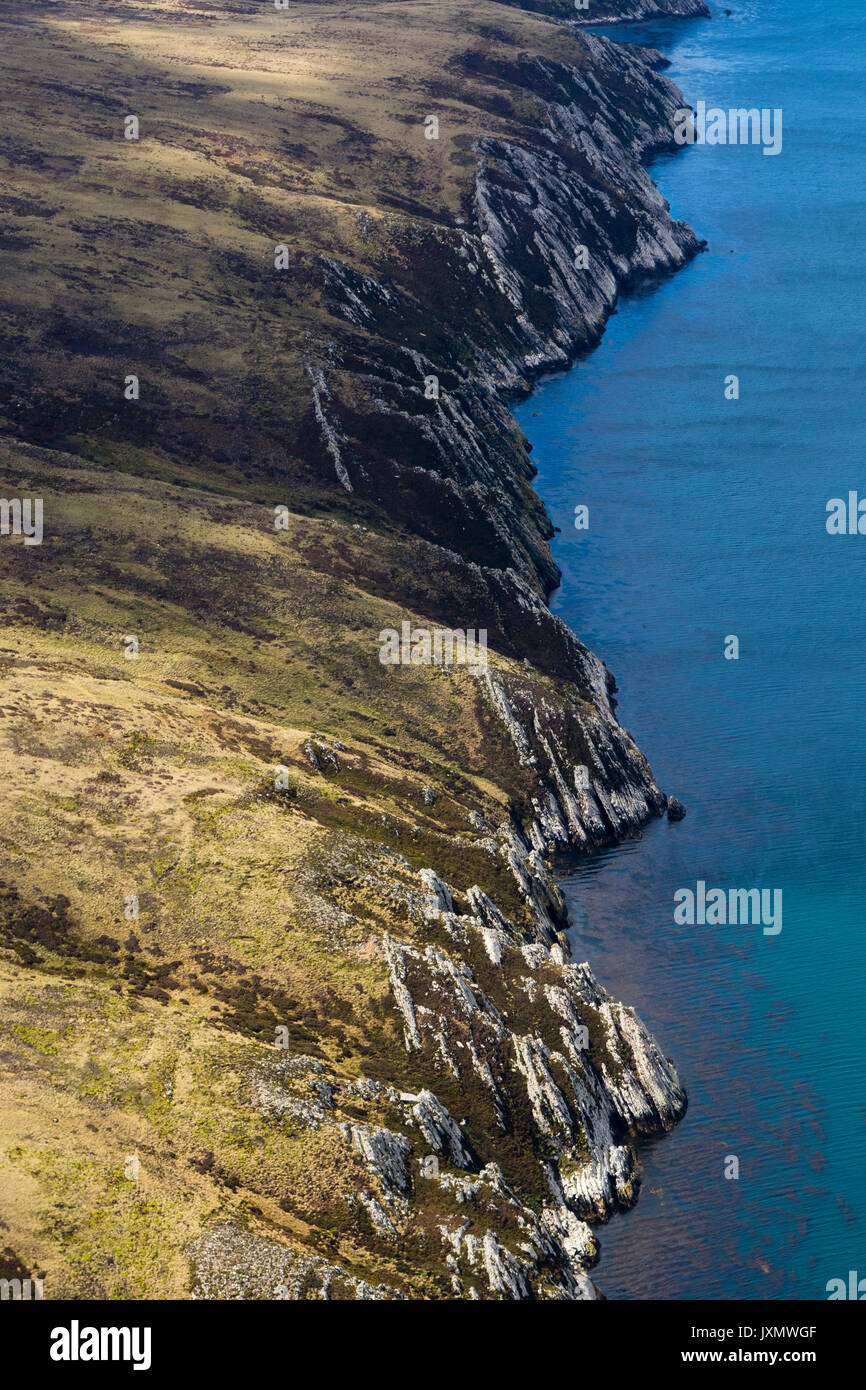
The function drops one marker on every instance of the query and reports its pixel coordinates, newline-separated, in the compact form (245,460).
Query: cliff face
(616,11)
(505,293)
(600,12)
(353,855)
(491,298)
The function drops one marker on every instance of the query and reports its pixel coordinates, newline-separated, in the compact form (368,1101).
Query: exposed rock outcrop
(584,1065)
(361,394)
(561,218)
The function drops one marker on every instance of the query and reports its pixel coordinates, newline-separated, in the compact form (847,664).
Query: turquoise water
(707,519)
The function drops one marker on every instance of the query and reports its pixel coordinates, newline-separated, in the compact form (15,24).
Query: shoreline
(566,860)
(380,840)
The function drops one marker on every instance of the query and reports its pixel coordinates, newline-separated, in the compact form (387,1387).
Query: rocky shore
(463,1101)
(576,180)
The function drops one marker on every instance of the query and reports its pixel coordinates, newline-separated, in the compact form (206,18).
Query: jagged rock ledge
(473,1110)
(513,301)
(510,302)
(555,1069)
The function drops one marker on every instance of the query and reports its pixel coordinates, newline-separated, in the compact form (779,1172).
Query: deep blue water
(707,518)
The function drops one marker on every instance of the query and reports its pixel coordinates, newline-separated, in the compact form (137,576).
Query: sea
(707,522)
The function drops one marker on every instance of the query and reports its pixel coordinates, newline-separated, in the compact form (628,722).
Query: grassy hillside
(218,838)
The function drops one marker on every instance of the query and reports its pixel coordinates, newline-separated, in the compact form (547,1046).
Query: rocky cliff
(342,1038)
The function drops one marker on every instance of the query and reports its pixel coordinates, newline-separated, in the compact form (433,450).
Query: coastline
(500,1031)
(671,446)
